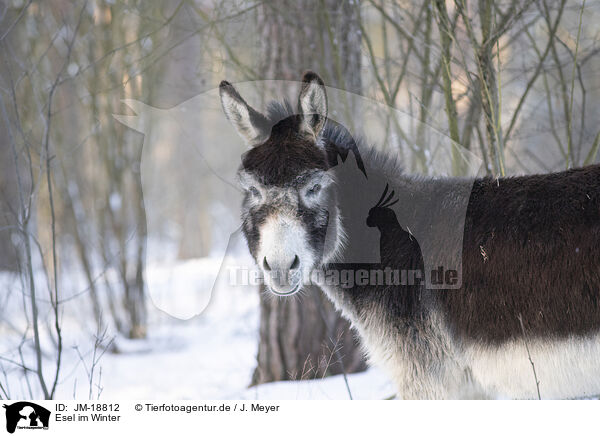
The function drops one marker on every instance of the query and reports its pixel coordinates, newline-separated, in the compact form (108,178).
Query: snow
(208,356)
(369,385)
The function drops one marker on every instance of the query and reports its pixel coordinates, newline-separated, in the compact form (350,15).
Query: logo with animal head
(306,185)
(26,415)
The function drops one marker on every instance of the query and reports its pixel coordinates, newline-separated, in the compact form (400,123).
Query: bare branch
(537,382)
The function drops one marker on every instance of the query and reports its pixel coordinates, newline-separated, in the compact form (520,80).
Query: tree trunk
(8,205)
(303,338)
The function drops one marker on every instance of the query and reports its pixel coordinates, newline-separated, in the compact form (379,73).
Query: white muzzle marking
(284,254)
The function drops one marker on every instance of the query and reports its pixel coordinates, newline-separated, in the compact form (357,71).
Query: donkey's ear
(250,124)
(312,104)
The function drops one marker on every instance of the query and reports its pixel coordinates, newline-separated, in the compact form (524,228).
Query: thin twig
(338,356)
(537,382)
(570,118)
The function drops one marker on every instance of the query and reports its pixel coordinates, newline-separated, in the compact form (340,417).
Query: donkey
(529,291)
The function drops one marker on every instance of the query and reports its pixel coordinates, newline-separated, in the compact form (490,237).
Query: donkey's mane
(279,110)
(334,136)
(332,132)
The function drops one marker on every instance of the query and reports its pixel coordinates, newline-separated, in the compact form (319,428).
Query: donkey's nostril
(295,263)
(266,264)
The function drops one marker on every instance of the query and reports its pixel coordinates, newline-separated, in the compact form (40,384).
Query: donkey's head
(289,215)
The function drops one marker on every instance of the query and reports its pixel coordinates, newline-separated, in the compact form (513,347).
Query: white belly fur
(565,368)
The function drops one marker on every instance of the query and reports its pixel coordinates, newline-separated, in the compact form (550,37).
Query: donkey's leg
(428,364)
(445,381)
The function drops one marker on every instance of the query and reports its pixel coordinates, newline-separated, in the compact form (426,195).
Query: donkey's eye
(255,192)
(314,190)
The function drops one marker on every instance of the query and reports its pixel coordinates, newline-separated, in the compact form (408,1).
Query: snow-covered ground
(210,356)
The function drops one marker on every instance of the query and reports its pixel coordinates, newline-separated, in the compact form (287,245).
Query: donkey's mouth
(294,289)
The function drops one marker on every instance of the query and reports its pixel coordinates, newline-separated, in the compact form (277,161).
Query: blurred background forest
(515,83)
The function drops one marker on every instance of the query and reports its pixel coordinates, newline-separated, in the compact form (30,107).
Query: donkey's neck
(427,211)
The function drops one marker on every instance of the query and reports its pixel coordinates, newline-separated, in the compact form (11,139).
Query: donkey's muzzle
(282,275)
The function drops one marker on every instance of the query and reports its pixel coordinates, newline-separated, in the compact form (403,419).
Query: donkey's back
(531,276)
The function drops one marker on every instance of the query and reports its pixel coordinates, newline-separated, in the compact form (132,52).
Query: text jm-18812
(93,407)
